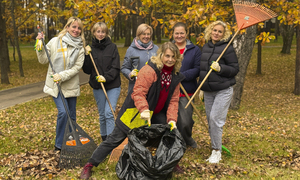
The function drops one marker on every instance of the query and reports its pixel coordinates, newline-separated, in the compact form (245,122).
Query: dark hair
(180,24)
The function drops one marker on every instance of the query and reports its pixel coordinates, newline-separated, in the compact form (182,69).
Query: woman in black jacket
(107,60)
(217,88)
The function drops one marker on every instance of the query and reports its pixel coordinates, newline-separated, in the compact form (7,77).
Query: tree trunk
(134,21)
(243,45)
(14,49)
(258,68)
(16,39)
(277,32)
(287,32)
(128,33)
(4,57)
(297,71)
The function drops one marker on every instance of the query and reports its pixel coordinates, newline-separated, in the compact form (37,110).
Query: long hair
(71,20)
(141,28)
(160,53)
(209,28)
(101,25)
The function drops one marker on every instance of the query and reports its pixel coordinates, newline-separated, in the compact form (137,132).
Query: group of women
(155,94)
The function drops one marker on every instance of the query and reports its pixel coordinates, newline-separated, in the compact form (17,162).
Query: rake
(103,88)
(224,149)
(77,145)
(247,14)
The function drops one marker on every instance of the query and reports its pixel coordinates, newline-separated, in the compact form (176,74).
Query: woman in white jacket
(67,55)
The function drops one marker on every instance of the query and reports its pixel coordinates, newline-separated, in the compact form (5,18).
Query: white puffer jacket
(69,77)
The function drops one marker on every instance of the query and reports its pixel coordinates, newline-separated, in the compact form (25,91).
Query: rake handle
(103,88)
(209,72)
(195,109)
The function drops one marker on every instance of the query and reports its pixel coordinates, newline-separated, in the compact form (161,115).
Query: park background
(262,126)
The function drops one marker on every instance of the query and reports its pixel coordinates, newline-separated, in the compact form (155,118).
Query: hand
(56,77)
(100,79)
(172,124)
(215,66)
(88,50)
(133,73)
(146,116)
(40,36)
(201,95)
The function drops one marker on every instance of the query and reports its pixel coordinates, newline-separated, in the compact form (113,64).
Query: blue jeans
(106,117)
(62,116)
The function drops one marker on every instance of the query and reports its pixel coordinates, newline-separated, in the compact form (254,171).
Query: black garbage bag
(137,162)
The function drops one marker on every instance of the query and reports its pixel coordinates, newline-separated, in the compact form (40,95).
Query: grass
(262,135)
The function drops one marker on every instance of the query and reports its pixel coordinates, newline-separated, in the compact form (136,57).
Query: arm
(147,77)
(193,72)
(87,65)
(172,112)
(231,66)
(69,73)
(126,66)
(114,71)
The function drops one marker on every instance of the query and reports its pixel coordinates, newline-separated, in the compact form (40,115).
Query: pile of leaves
(215,171)
(33,164)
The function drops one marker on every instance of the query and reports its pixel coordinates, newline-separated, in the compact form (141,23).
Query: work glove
(56,77)
(38,45)
(215,66)
(88,50)
(201,95)
(133,73)
(146,116)
(100,79)
(172,124)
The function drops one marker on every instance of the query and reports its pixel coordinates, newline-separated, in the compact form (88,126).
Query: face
(74,29)
(179,35)
(217,33)
(145,37)
(168,58)
(100,34)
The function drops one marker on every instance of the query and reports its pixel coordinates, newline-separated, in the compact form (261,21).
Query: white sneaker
(215,157)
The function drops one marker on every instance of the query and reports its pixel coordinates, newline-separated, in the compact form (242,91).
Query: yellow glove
(133,73)
(88,50)
(38,45)
(201,95)
(146,116)
(56,77)
(173,125)
(215,66)
(100,79)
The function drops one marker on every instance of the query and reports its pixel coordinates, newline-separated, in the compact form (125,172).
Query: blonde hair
(209,28)
(160,52)
(142,28)
(101,25)
(71,20)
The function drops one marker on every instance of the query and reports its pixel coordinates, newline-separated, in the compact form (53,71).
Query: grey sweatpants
(216,108)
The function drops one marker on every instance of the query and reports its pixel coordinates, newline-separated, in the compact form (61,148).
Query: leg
(112,141)
(72,107)
(100,100)
(113,96)
(185,122)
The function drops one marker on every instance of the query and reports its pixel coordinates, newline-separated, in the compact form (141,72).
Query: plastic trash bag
(137,162)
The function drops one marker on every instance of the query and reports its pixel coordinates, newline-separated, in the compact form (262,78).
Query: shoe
(193,144)
(86,171)
(178,169)
(215,157)
(56,149)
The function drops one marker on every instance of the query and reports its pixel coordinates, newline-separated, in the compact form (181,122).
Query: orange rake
(247,14)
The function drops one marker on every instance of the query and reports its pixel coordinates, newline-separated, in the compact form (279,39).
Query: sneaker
(178,169)
(215,157)
(86,171)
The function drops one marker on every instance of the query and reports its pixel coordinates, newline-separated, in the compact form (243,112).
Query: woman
(190,68)
(154,99)
(107,60)
(138,53)
(217,88)
(67,55)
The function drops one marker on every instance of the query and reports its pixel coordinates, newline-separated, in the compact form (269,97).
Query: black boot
(103,138)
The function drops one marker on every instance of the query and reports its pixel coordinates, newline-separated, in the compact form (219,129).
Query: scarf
(99,44)
(143,46)
(75,44)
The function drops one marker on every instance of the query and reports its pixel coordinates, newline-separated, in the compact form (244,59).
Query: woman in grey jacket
(217,88)
(67,55)
(138,53)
